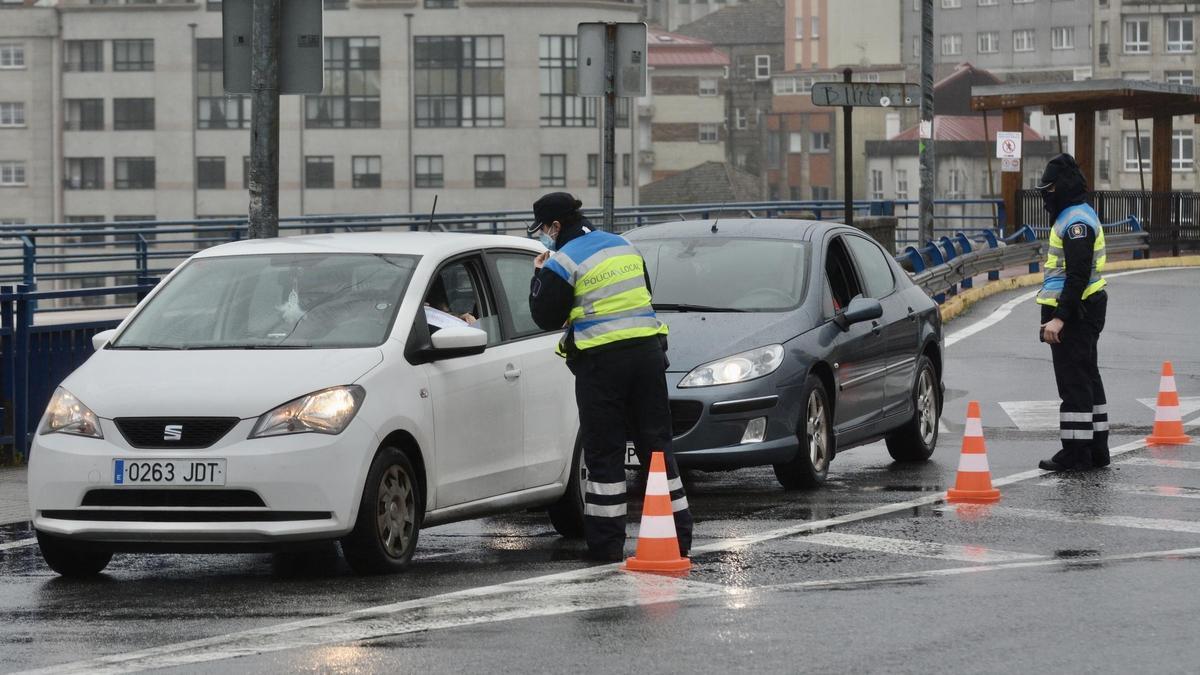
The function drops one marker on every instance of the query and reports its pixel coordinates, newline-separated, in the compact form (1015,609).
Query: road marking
(20,543)
(1145,490)
(1162,524)
(1187,405)
(918,549)
(1032,415)
(1161,463)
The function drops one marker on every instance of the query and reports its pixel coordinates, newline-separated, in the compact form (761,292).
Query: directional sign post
(848,94)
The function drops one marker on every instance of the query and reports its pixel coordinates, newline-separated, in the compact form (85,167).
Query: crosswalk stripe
(1162,524)
(1187,404)
(1032,415)
(918,549)
(20,543)
(1161,463)
(1147,490)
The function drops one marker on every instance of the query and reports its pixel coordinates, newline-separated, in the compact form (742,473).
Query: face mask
(546,240)
(1049,203)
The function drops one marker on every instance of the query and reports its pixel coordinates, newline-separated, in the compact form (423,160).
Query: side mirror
(458,341)
(102,338)
(860,309)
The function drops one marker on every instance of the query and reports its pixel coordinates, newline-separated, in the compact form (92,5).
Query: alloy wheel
(396,511)
(818,433)
(926,408)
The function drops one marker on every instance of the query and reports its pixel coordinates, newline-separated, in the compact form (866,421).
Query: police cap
(551,207)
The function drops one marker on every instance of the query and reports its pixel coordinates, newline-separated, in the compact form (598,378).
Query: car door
(901,334)
(860,361)
(477,411)
(547,386)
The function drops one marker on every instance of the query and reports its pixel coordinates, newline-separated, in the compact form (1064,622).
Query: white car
(277,391)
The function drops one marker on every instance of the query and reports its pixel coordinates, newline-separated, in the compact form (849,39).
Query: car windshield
(726,274)
(293,301)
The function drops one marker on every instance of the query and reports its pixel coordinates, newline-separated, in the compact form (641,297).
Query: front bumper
(309,486)
(710,423)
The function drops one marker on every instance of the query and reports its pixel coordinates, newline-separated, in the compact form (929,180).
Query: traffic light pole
(264,133)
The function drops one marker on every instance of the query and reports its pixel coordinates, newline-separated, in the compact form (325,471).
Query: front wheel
(915,441)
(566,515)
(811,464)
(70,559)
(389,517)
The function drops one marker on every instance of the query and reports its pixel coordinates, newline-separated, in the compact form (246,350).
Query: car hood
(700,337)
(216,383)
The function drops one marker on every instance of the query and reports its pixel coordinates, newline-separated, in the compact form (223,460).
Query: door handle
(511,373)
(875,328)
(912,316)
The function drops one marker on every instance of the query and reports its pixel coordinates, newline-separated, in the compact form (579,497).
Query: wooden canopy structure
(1137,99)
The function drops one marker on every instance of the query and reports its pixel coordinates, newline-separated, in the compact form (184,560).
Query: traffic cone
(974,482)
(1168,425)
(658,546)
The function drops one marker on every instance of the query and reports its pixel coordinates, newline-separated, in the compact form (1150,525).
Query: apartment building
(28,54)
(671,14)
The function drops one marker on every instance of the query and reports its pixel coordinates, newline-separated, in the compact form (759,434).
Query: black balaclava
(1070,187)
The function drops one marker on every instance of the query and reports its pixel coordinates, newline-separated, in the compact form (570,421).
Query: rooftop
(963,128)
(707,183)
(671,50)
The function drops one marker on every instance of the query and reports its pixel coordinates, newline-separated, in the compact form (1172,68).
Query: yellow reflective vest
(1055,275)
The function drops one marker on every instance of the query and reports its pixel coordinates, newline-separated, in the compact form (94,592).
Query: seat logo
(173,432)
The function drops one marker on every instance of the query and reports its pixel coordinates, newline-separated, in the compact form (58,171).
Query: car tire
(916,440)
(811,464)
(566,514)
(70,559)
(389,517)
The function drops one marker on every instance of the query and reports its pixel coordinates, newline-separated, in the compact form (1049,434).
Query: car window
(840,274)
(874,267)
(513,272)
(457,290)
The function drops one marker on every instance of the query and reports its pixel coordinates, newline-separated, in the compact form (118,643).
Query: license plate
(631,458)
(168,472)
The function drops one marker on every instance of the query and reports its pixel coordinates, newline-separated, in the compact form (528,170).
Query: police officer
(595,287)
(1074,304)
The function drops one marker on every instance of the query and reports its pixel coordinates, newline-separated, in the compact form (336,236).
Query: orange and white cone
(974,482)
(658,545)
(1168,425)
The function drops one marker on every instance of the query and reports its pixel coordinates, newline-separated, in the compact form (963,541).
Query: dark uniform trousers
(619,390)
(1083,415)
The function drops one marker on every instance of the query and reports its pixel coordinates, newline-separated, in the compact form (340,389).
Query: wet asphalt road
(1093,572)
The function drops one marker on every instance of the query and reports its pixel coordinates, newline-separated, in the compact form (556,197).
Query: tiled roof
(672,50)
(963,128)
(748,23)
(707,183)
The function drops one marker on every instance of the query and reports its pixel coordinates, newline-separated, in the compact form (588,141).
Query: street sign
(301,61)
(630,64)
(1009,165)
(866,94)
(1008,145)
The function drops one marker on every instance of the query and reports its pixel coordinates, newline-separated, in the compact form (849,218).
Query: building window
(762,66)
(12,56)
(441,4)
(901,183)
(84,114)
(821,193)
(210,173)
(1131,151)
(988,3)
(429,171)
(626,169)
(816,27)
(133,173)
(351,96)
(554,170)
(795,142)
(12,174)
(132,55)
(215,109)
(709,133)
(1105,158)
(951,45)
(489,171)
(951,4)
(593,168)
(800,28)
(955,183)
(916,47)
(83,56)
(1183,151)
(876,184)
(1023,41)
(989,43)
(560,104)
(1062,38)
(1022,2)
(739,118)
(820,142)
(12,221)
(318,172)
(1180,38)
(133,114)
(366,171)
(12,114)
(459,81)
(1137,36)
(1185,77)
(84,173)
(336,4)
(708,86)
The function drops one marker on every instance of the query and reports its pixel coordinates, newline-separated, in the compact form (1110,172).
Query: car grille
(684,416)
(173,498)
(194,432)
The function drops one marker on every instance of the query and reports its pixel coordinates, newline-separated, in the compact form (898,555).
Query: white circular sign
(885,101)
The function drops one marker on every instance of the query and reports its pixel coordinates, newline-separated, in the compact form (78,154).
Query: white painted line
(1161,463)
(1179,491)
(918,549)
(1032,415)
(1162,524)
(1187,404)
(991,320)
(20,543)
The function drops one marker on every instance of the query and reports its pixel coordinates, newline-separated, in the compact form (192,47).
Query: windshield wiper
(237,346)
(144,348)
(684,307)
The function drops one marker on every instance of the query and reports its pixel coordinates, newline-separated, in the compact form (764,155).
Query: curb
(959,304)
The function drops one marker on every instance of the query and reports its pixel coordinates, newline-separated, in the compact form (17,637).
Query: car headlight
(68,415)
(328,411)
(737,368)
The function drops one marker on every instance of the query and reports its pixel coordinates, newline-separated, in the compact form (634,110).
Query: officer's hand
(541,259)
(1052,331)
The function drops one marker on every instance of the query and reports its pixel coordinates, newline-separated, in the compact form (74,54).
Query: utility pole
(925,140)
(610,121)
(264,133)
(848,154)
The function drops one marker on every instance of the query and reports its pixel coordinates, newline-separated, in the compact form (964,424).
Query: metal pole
(412,166)
(928,171)
(848,156)
(195,90)
(635,163)
(264,133)
(987,135)
(1058,132)
(785,149)
(1137,131)
(610,120)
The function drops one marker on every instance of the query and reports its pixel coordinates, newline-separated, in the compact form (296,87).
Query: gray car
(790,341)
